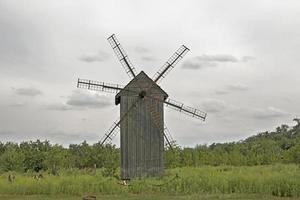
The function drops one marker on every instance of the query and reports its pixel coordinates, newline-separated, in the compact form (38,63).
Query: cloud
(213,105)
(18,104)
(87,100)
(72,137)
(79,100)
(64,135)
(58,107)
(200,62)
(268,113)
(145,53)
(147,58)
(232,88)
(140,49)
(197,64)
(94,57)
(217,58)
(222,92)
(237,87)
(30,91)
(6,132)
(248,58)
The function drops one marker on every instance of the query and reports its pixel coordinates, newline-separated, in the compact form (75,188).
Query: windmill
(141,123)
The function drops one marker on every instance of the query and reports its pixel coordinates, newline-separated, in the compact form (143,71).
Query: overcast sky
(243,67)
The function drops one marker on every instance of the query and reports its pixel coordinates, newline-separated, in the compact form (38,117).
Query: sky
(242,68)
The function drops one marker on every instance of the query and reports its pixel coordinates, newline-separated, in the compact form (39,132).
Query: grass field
(258,182)
(149,197)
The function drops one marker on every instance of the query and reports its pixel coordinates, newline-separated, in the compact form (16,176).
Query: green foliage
(293,154)
(55,159)
(35,154)
(172,157)
(279,146)
(266,164)
(12,158)
(111,161)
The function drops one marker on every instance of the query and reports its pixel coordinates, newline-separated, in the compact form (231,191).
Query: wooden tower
(142,142)
(141,122)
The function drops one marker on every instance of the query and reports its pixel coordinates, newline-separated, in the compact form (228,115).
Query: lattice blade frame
(193,112)
(170,64)
(111,133)
(162,129)
(122,56)
(168,137)
(115,128)
(99,86)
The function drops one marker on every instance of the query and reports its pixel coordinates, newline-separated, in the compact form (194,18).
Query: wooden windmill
(141,122)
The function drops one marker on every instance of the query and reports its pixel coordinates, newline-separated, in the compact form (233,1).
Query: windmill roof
(141,82)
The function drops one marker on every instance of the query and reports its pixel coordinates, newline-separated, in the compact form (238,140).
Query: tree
(55,159)
(81,155)
(293,154)
(172,157)
(34,154)
(12,159)
(111,160)
(297,120)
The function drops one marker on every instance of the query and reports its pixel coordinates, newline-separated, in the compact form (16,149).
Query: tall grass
(277,180)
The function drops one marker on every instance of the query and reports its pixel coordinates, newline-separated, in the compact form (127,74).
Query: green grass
(149,197)
(186,183)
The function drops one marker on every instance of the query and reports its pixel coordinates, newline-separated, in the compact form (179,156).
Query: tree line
(279,146)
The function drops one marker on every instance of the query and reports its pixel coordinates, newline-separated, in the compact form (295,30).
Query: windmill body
(141,123)
(142,141)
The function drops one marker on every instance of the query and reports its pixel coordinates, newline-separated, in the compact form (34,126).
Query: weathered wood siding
(142,140)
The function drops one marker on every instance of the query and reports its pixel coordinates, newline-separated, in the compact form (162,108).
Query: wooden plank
(142,142)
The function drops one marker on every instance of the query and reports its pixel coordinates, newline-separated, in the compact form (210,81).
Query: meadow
(222,182)
(149,197)
(263,166)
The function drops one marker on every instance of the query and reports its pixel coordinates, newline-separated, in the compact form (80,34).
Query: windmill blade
(154,115)
(111,133)
(115,128)
(122,56)
(171,143)
(98,86)
(193,112)
(170,64)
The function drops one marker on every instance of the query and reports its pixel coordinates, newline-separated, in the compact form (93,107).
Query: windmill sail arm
(122,56)
(170,64)
(111,133)
(193,112)
(115,128)
(157,123)
(175,105)
(168,142)
(98,86)
(168,137)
